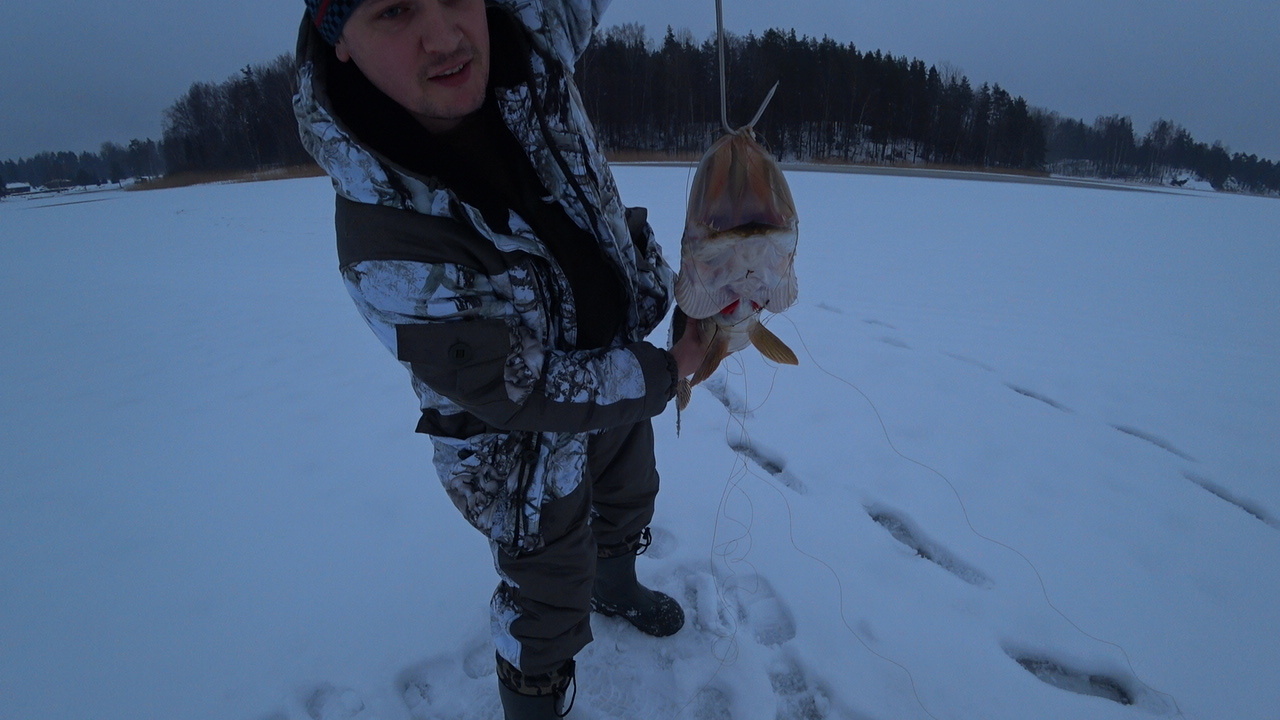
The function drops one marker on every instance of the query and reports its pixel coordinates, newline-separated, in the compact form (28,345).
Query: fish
(737,254)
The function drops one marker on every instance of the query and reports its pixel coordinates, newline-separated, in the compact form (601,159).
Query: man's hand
(690,348)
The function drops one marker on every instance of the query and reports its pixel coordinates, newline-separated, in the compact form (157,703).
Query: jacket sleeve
(464,339)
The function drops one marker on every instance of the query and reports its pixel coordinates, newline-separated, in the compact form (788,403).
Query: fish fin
(718,351)
(783,294)
(695,298)
(771,346)
(684,392)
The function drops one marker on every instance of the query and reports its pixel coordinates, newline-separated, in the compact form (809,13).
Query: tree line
(245,123)
(111,164)
(1166,153)
(833,103)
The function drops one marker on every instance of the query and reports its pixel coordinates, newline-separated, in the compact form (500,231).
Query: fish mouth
(731,309)
(751,229)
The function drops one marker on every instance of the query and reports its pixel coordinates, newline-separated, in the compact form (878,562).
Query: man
(481,236)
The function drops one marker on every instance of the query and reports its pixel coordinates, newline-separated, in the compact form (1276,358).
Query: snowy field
(1027,469)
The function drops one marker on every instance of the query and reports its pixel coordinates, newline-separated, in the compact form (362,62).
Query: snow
(1027,467)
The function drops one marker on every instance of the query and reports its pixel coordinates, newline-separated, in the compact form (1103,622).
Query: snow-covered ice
(1027,468)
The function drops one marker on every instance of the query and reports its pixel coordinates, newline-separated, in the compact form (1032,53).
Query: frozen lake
(1027,468)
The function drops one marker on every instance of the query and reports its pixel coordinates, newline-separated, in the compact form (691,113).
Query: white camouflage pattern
(499,481)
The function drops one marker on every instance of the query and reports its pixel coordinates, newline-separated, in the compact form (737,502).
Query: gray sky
(76,74)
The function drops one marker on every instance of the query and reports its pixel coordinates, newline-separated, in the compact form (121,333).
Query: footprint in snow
(442,688)
(719,388)
(1226,495)
(976,363)
(1075,680)
(1037,396)
(1154,440)
(770,462)
(711,703)
(664,543)
(1119,688)
(767,461)
(760,609)
(798,697)
(740,607)
(328,702)
(906,532)
(751,627)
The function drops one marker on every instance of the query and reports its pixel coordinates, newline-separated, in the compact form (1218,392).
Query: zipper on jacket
(529,457)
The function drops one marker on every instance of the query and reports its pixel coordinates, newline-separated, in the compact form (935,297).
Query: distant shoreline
(942,174)
(999,176)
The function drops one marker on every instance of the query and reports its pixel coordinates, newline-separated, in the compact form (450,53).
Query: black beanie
(329,16)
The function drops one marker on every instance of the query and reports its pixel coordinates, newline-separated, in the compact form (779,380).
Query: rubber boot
(534,697)
(617,593)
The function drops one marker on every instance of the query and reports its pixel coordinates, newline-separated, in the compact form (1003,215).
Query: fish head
(738,186)
(740,232)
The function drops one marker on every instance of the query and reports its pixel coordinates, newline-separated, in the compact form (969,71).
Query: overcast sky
(76,74)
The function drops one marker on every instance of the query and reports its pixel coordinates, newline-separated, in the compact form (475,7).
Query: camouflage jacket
(483,318)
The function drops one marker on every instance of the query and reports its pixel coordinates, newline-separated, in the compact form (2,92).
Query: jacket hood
(359,172)
(352,129)
(534,46)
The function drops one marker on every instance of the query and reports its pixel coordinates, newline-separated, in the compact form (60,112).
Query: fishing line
(732,482)
(735,550)
(740,418)
(741,469)
(725,646)
(1044,591)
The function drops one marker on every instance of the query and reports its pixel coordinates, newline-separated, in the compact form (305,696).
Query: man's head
(429,56)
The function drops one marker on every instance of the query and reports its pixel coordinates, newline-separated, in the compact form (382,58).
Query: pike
(738,249)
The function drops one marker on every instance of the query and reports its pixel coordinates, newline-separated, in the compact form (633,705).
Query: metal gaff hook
(724,88)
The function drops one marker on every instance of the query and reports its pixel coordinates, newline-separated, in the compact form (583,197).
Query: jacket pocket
(465,361)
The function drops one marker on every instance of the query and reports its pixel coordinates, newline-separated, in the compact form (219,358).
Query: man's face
(430,56)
